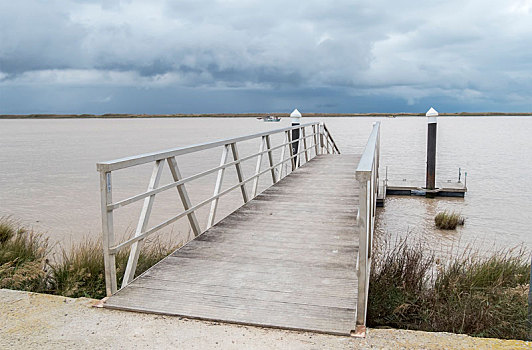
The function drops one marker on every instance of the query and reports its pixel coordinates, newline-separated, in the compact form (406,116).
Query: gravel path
(39,321)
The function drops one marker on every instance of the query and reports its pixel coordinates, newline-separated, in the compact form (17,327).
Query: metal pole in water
(431,150)
(295,116)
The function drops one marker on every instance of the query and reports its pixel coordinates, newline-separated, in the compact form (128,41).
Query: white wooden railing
(314,139)
(367,175)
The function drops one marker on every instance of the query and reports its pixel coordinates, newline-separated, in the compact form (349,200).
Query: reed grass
(448,220)
(483,296)
(22,257)
(81,272)
(77,272)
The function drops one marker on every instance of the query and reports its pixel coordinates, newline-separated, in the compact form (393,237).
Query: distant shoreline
(250,115)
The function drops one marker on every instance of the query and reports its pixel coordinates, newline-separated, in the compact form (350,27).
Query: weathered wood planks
(285,259)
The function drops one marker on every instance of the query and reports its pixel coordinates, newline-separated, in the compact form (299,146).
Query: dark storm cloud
(37,36)
(358,55)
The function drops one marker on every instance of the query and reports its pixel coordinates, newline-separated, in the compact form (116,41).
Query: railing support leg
(142,224)
(315,137)
(183,194)
(283,152)
(217,187)
(108,236)
(270,157)
(322,131)
(303,135)
(257,168)
(291,150)
(239,172)
(363,260)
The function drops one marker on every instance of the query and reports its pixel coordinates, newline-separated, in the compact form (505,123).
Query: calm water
(48,176)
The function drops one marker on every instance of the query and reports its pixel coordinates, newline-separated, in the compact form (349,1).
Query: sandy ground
(39,321)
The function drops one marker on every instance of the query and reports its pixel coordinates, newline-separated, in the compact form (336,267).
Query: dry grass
(448,220)
(79,272)
(470,294)
(22,257)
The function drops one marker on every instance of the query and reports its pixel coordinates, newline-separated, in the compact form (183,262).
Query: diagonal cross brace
(131,267)
(183,194)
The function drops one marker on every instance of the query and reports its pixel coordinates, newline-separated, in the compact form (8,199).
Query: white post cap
(295,116)
(432,114)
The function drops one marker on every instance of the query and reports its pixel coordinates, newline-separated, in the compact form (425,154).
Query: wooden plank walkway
(286,259)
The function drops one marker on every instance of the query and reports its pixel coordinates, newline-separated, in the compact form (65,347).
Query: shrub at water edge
(78,272)
(470,294)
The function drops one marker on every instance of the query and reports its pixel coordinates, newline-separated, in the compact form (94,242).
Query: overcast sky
(225,56)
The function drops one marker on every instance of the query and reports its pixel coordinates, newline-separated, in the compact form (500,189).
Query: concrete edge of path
(51,322)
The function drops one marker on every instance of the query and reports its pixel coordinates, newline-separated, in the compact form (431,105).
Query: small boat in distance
(270,118)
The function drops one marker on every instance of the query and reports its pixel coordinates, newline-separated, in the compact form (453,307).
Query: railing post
(257,168)
(322,131)
(363,261)
(142,224)
(108,237)
(283,152)
(304,136)
(291,150)
(315,138)
(299,145)
(183,194)
(239,172)
(270,158)
(217,187)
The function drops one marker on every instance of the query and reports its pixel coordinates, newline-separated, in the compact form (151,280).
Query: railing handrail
(331,138)
(365,164)
(367,174)
(127,162)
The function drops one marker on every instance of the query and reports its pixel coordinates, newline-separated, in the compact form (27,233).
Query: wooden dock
(296,256)
(285,259)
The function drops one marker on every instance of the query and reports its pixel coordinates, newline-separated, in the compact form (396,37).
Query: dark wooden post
(431,151)
(295,116)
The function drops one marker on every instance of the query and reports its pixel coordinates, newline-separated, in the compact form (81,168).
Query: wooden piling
(430,184)
(296,121)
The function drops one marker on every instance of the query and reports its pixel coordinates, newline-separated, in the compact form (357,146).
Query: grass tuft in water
(448,220)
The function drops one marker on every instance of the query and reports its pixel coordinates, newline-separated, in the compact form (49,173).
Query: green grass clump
(448,220)
(398,282)
(81,272)
(78,271)
(483,296)
(22,257)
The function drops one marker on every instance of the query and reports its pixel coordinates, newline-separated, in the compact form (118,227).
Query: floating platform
(413,188)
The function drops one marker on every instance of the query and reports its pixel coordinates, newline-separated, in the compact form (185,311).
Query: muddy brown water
(48,177)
